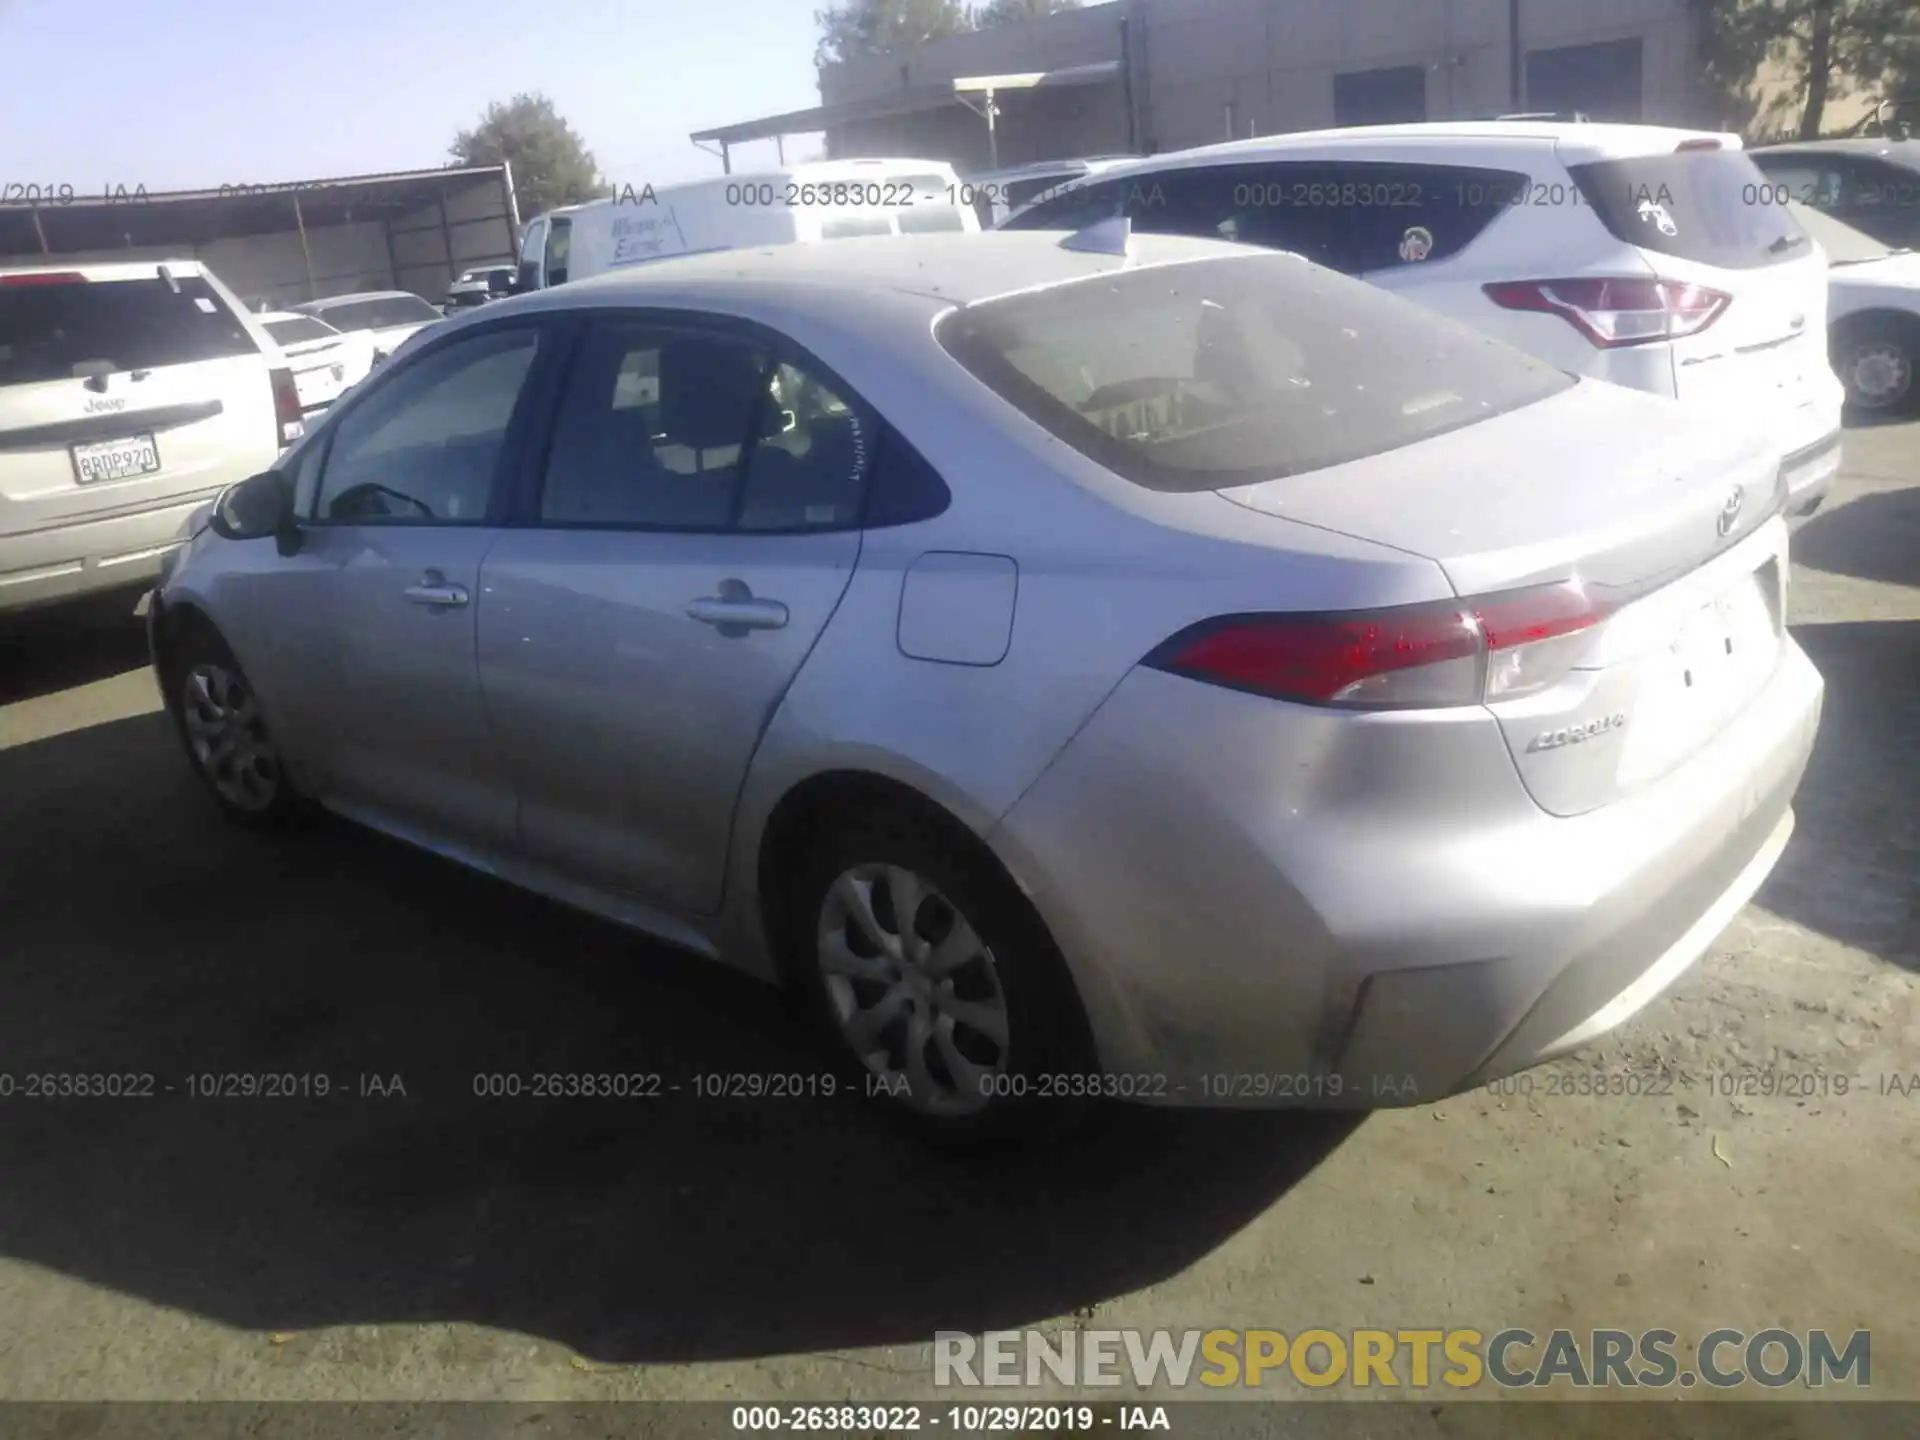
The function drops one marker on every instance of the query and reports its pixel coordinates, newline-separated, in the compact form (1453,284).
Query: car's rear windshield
(293,332)
(1223,372)
(1710,206)
(60,330)
(379,314)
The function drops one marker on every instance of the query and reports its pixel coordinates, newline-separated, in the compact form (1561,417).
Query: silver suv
(130,396)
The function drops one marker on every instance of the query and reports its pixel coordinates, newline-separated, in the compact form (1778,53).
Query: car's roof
(268,316)
(1907,152)
(1038,169)
(945,269)
(109,270)
(1583,139)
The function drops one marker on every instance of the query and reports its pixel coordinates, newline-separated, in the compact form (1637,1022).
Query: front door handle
(735,610)
(740,614)
(434,590)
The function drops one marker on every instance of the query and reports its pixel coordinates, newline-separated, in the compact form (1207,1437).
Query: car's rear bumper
(1809,474)
(1312,909)
(84,557)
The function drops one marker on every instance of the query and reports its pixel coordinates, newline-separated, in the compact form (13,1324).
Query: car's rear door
(695,525)
(124,388)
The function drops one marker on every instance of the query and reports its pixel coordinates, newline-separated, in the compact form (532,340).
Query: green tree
(551,164)
(1825,50)
(880,27)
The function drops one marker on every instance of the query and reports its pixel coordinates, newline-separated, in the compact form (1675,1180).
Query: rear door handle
(436,592)
(739,615)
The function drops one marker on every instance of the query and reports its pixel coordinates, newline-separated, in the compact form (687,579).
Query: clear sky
(183,94)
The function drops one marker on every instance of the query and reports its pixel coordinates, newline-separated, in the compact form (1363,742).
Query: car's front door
(695,526)
(408,500)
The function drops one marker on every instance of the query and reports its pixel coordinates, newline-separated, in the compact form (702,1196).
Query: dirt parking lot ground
(433,1244)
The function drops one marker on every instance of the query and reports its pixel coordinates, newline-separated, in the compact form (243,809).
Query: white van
(821,200)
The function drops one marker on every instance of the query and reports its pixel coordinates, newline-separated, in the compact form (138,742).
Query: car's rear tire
(219,721)
(1876,361)
(961,1017)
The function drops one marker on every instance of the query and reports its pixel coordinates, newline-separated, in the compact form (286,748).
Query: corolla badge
(1730,514)
(1577,734)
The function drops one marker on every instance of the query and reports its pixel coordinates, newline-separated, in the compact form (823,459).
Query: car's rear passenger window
(1352,216)
(674,428)
(1355,217)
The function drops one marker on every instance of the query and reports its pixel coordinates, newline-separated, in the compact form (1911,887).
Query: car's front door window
(424,447)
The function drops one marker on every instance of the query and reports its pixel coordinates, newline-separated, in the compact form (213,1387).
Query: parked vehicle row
(822,200)
(1628,253)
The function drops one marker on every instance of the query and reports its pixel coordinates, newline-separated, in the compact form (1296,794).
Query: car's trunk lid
(1627,494)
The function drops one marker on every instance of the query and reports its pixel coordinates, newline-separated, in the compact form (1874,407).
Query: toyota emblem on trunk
(1730,513)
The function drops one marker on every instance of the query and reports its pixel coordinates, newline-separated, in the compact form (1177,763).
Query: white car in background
(1873,313)
(325,363)
(1636,254)
(388,317)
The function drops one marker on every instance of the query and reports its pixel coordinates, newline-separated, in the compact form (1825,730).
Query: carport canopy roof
(88,222)
(907,101)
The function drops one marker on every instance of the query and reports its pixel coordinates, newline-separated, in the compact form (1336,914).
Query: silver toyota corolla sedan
(1081,665)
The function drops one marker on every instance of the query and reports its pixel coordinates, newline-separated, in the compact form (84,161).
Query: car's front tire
(1875,360)
(221,727)
(937,982)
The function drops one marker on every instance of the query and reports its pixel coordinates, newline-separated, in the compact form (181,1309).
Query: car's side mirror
(258,507)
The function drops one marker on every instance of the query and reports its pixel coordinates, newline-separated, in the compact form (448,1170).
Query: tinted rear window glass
(379,314)
(1709,206)
(46,331)
(292,332)
(1228,372)
(1354,216)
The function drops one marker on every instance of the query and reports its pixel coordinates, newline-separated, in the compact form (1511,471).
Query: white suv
(130,395)
(1646,256)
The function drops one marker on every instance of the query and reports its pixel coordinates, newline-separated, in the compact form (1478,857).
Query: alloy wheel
(915,991)
(228,737)
(1879,374)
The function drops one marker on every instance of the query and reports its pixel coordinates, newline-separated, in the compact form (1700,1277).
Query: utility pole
(1516,60)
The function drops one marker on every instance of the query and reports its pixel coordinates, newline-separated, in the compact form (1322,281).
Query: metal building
(1144,76)
(304,240)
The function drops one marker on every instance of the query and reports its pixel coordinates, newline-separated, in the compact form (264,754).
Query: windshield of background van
(1217,373)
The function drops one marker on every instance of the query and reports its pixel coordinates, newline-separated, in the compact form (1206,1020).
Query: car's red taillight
(1698,143)
(45,277)
(1461,652)
(1613,311)
(288,419)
